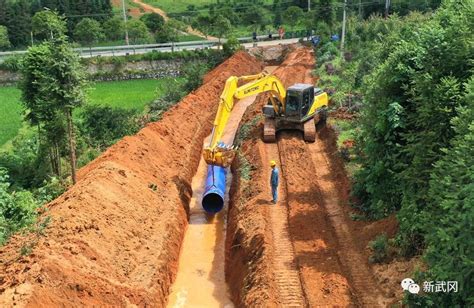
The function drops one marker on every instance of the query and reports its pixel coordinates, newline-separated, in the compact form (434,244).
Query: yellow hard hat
(273,163)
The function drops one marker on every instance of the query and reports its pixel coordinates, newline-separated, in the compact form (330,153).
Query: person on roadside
(274,181)
(281,32)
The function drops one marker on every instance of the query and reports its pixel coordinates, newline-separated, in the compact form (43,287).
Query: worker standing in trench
(274,181)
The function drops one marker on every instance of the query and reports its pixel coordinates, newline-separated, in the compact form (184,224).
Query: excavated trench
(202,259)
(201,279)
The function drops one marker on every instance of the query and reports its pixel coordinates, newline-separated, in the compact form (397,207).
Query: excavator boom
(221,154)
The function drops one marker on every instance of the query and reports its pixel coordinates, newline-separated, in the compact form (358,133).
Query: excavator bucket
(221,156)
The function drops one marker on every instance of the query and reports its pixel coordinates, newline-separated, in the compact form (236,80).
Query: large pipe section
(213,198)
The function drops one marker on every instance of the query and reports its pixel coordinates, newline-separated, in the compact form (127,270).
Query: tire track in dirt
(285,269)
(324,280)
(353,260)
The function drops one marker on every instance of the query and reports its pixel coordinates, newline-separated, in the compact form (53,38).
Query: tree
(292,15)
(153,21)
(221,26)
(166,34)
(203,23)
(449,215)
(254,15)
(114,28)
(88,31)
(4,41)
(137,31)
(19,22)
(48,24)
(52,86)
(325,12)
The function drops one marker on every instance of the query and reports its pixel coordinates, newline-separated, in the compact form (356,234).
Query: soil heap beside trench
(114,237)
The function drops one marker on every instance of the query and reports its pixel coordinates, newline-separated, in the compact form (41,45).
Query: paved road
(168,47)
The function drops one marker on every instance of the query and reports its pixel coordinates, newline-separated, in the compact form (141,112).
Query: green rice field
(125,94)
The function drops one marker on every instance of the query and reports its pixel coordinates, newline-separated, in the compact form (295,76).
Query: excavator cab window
(306,102)
(293,104)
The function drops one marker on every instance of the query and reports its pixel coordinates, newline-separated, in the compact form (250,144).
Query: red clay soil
(114,238)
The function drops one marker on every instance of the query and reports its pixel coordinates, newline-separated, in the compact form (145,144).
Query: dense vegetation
(97,22)
(411,79)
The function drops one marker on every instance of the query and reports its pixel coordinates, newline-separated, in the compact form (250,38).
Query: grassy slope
(10,113)
(125,94)
(173,6)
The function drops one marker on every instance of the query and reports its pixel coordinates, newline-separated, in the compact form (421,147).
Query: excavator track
(269,131)
(309,131)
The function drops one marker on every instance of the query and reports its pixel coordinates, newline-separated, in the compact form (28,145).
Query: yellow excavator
(299,107)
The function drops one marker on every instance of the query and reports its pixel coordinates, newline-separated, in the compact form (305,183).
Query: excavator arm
(218,153)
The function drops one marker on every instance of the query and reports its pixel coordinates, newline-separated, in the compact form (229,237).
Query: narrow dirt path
(151,9)
(201,277)
(353,261)
(290,291)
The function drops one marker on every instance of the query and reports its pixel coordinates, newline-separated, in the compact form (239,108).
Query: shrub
(160,105)
(104,125)
(231,46)
(379,248)
(11,64)
(194,72)
(17,208)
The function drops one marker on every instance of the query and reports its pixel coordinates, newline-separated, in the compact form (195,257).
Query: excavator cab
(299,99)
(302,107)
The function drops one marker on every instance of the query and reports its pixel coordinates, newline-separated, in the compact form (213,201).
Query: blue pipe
(213,198)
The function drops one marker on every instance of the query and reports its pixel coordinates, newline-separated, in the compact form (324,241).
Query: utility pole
(343,28)
(125,21)
(387,7)
(309,5)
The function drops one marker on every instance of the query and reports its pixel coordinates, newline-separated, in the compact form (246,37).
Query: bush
(379,248)
(160,105)
(194,72)
(11,64)
(17,208)
(104,125)
(231,46)
(447,221)
(26,162)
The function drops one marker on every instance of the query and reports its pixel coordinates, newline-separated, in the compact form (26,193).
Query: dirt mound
(115,236)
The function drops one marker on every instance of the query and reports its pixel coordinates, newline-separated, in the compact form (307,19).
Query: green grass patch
(172,6)
(129,94)
(10,111)
(189,38)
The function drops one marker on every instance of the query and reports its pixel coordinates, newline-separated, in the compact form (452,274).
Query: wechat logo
(409,285)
